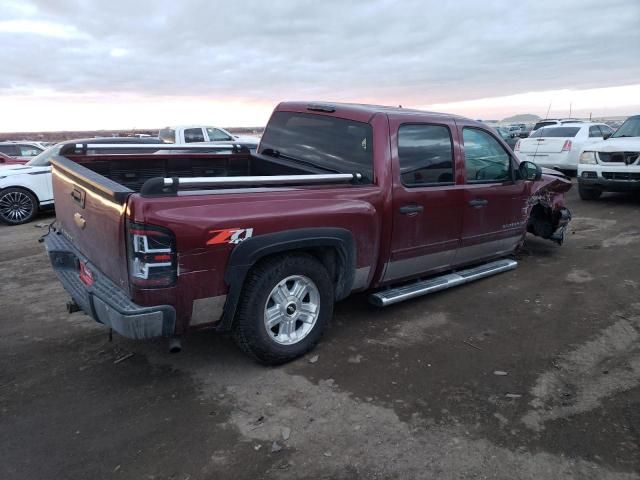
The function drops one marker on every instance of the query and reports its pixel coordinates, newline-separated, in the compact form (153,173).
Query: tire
(283,291)
(17,206)
(589,193)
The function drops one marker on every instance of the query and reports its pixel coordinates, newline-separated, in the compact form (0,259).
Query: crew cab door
(495,200)
(427,204)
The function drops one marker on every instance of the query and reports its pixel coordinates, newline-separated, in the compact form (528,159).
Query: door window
(606,129)
(426,155)
(29,151)
(193,135)
(594,131)
(485,159)
(216,135)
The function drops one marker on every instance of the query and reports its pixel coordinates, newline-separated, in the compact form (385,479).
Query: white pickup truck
(203,134)
(612,165)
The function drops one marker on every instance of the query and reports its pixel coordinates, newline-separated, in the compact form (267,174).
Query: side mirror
(606,135)
(529,171)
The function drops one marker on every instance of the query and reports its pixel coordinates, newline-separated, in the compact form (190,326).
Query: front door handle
(478,202)
(411,209)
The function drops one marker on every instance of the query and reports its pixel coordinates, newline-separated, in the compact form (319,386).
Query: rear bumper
(103,300)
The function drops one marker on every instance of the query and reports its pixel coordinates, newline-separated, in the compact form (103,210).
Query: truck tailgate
(90,209)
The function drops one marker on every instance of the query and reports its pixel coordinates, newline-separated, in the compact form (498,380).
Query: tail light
(152,256)
(517,147)
(567,146)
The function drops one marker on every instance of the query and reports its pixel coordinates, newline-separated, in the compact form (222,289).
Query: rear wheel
(587,193)
(17,206)
(286,303)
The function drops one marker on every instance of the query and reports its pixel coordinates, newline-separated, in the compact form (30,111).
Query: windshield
(550,132)
(329,143)
(630,128)
(44,158)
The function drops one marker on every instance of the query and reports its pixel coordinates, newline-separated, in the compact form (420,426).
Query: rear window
(542,124)
(551,132)
(167,135)
(329,143)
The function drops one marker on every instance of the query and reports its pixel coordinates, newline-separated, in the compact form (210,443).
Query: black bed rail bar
(160,185)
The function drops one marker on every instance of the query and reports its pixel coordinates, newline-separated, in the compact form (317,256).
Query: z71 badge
(229,235)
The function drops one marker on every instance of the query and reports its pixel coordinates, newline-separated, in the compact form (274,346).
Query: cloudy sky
(74,64)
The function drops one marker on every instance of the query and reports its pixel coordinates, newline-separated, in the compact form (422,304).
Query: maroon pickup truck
(336,199)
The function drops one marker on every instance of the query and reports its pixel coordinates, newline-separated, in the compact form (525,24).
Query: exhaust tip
(175,345)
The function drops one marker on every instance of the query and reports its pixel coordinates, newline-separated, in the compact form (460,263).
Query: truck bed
(132,171)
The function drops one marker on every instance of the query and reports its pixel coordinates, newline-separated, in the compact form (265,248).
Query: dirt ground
(531,374)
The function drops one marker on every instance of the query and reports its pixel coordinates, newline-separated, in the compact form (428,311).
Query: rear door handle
(411,209)
(478,202)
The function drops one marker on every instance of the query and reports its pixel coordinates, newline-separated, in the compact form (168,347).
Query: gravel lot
(533,374)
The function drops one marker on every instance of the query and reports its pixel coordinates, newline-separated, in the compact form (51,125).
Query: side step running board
(423,287)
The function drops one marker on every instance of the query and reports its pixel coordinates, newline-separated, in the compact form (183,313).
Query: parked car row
(25,171)
(568,145)
(25,189)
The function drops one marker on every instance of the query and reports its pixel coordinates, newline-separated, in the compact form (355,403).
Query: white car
(26,189)
(559,146)
(612,165)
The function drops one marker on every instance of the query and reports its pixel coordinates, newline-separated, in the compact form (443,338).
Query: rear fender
(252,250)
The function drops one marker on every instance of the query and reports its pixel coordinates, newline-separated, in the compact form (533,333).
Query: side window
(594,131)
(28,151)
(216,135)
(167,135)
(606,129)
(426,155)
(484,158)
(10,150)
(193,135)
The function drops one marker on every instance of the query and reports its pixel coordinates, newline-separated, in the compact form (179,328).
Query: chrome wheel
(292,309)
(16,206)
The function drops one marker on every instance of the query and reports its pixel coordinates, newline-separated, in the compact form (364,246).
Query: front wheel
(17,206)
(285,305)
(589,193)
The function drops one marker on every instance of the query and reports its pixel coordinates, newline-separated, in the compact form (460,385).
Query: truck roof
(359,112)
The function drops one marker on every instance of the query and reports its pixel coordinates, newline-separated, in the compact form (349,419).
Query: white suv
(612,165)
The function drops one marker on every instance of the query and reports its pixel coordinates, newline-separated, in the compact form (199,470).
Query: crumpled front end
(548,216)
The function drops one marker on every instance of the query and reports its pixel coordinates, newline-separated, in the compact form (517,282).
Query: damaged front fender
(548,217)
